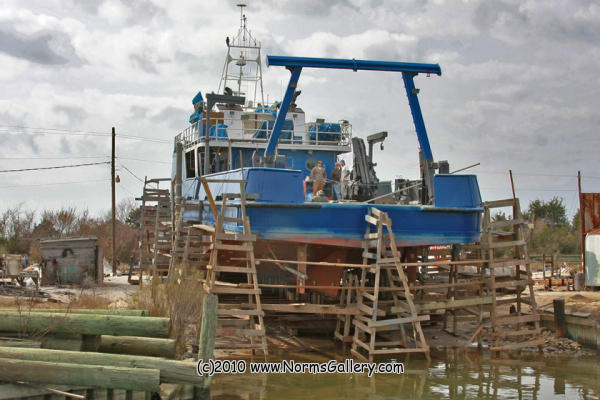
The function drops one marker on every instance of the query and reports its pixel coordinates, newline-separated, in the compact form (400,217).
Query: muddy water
(451,374)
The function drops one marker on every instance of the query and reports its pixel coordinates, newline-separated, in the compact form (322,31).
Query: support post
(283,109)
(179,171)
(210,306)
(114,212)
(581,222)
(559,317)
(208,330)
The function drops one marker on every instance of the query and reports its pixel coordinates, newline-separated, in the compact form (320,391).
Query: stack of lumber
(76,346)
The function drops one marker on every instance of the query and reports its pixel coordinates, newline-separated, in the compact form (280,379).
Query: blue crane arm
(409,70)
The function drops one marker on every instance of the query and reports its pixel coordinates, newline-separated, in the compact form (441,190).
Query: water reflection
(451,374)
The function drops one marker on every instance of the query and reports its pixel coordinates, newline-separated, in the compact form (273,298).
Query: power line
(50,157)
(71,132)
(55,167)
(54,183)
(141,159)
(134,175)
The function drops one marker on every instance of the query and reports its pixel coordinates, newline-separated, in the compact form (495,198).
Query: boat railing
(250,130)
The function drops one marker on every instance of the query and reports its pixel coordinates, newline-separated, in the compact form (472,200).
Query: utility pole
(112,183)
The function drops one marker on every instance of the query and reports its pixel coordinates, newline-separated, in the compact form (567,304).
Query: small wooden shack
(71,261)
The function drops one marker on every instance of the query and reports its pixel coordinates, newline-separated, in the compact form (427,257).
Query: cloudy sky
(520,87)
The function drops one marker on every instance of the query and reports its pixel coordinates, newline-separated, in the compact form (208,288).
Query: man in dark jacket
(336,177)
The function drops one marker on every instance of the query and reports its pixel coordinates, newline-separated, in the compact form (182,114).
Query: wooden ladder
(161,251)
(385,310)
(152,194)
(232,256)
(504,246)
(343,328)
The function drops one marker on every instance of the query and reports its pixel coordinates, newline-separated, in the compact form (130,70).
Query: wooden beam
(398,321)
(84,324)
(141,379)
(171,371)
(304,308)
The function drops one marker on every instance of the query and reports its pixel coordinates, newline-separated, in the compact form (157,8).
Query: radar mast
(242,72)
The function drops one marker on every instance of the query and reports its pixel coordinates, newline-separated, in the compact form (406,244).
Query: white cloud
(519,83)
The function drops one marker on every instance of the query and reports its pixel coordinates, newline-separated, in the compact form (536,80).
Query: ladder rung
(239,312)
(233,247)
(233,290)
(241,270)
(235,236)
(225,180)
(233,219)
(369,255)
(240,332)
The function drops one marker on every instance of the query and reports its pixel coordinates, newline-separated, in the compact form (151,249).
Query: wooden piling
(142,346)
(142,379)
(84,324)
(208,330)
(171,371)
(559,317)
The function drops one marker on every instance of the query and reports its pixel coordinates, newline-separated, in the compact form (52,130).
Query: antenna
(242,70)
(242,19)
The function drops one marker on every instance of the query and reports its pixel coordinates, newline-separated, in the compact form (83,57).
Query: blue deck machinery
(287,225)
(408,70)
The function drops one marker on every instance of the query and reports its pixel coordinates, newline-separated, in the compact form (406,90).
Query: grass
(180,299)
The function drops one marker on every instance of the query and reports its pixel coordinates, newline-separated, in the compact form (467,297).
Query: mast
(242,69)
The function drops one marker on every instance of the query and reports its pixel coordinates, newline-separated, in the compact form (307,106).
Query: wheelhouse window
(190,164)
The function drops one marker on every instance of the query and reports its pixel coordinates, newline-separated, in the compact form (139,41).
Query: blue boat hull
(281,213)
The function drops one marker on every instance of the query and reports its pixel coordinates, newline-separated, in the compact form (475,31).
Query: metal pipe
(353,64)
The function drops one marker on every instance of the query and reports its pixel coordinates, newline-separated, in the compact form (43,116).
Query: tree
(552,212)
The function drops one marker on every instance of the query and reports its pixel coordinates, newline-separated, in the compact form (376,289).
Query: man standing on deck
(345,179)
(336,176)
(318,176)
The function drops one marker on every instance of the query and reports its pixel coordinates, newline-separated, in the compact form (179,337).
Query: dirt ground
(112,293)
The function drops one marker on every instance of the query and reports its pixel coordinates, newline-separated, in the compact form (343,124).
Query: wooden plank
(210,180)
(360,325)
(233,247)
(522,332)
(441,305)
(236,236)
(498,203)
(204,227)
(229,312)
(240,332)
(401,351)
(507,263)
(226,268)
(517,319)
(369,310)
(398,321)
(230,346)
(232,290)
(233,219)
(504,284)
(515,346)
(304,308)
(356,354)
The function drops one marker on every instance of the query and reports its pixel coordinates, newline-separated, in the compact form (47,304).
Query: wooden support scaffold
(232,257)
(504,247)
(152,195)
(191,241)
(379,329)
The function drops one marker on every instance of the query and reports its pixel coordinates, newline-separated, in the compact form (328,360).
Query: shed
(71,260)
(592,258)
